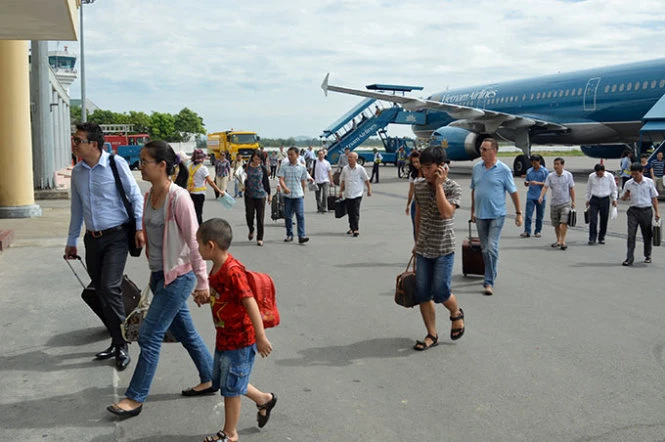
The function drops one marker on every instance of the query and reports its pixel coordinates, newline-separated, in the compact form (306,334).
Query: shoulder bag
(131,226)
(405,287)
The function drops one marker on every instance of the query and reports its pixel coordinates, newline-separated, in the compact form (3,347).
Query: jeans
(168,311)
(489,231)
(253,205)
(322,196)
(294,205)
(105,258)
(540,213)
(642,218)
(598,206)
(353,211)
(433,278)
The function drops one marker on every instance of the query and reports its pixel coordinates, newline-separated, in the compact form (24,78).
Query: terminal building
(34,100)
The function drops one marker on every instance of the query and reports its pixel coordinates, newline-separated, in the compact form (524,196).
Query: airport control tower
(63,64)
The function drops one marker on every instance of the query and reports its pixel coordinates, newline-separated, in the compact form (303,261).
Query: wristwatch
(518,213)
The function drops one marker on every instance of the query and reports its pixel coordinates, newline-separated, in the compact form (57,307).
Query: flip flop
(555,244)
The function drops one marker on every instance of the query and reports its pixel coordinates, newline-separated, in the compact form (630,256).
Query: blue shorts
(433,278)
(231,370)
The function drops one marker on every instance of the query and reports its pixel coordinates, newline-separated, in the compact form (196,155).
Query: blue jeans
(489,231)
(168,311)
(294,205)
(433,278)
(540,212)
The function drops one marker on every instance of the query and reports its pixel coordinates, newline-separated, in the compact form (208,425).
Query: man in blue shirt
(292,180)
(95,200)
(490,180)
(535,179)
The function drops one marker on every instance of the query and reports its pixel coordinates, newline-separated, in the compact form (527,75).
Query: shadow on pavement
(78,337)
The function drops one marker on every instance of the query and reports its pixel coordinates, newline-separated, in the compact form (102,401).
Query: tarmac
(570,348)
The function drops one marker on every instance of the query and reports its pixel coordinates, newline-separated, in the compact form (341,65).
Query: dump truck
(232,142)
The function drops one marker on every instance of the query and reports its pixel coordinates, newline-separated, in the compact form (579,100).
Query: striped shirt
(658,168)
(436,236)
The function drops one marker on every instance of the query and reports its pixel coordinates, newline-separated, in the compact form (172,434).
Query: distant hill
(303,138)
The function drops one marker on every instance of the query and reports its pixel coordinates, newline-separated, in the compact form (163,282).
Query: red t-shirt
(228,287)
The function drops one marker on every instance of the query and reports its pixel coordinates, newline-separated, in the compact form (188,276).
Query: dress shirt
(601,186)
(640,193)
(95,197)
(354,179)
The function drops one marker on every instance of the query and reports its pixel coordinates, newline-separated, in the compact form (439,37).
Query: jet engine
(607,151)
(459,144)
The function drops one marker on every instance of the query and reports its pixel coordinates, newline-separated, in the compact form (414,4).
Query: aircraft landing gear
(520,165)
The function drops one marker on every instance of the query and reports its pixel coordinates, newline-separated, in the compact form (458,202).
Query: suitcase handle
(78,258)
(470,233)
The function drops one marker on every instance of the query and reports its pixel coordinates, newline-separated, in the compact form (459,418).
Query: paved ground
(570,348)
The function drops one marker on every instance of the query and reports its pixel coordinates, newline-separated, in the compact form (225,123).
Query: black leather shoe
(303,240)
(206,391)
(122,360)
(106,354)
(124,413)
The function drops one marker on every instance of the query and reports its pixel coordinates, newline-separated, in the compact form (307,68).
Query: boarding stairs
(362,121)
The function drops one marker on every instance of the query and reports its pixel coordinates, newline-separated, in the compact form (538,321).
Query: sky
(258,65)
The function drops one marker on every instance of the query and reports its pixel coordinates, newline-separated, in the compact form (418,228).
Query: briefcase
(405,285)
(340,208)
(332,197)
(572,218)
(655,231)
(587,215)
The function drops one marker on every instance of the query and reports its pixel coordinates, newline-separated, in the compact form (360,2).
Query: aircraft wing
(468,117)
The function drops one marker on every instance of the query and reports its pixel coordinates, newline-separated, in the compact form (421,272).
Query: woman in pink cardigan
(177,271)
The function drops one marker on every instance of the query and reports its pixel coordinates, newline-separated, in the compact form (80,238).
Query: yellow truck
(232,142)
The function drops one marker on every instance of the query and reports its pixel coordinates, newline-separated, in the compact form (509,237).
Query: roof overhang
(39,19)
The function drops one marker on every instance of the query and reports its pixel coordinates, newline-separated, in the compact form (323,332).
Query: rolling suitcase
(332,197)
(130,294)
(472,256)
(277,206)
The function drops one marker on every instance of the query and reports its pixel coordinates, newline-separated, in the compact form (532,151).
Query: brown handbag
(405,287)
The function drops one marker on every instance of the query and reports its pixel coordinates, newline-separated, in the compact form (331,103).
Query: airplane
(600,109)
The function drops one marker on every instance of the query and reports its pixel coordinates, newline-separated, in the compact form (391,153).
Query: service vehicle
(232,142)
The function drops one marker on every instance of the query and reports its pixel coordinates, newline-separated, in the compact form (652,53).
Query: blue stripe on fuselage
(620,95)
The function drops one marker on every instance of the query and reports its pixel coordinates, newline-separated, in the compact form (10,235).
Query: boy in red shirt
(240,332)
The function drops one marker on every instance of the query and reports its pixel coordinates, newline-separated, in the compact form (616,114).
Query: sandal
(259,243)
(422,346)
(250,236)
(262,419)
(555,244)
(220,436)
(349,232)
(456,333)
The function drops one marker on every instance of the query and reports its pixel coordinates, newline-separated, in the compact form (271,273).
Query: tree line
(180,127)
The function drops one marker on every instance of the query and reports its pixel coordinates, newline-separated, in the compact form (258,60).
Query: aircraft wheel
(520,165)
(361,161)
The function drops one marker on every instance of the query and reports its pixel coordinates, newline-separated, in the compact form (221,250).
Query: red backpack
(263,289)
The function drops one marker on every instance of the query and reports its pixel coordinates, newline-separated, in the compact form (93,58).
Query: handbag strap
(412,263)
(121,190)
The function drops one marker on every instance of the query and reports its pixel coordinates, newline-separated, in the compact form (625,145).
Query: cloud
(259,65)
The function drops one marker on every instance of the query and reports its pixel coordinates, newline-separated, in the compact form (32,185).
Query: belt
(600,197)
(641,208)
(99,233)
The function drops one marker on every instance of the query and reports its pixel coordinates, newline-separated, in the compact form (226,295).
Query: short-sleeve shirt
(222,168)
(540,176)
(254,182)
(293,178)
(490,187)
(353,179)
(560,186)
(641,193)
(228,287)
(436,236)
(321,171)
(199,178)
(658,168)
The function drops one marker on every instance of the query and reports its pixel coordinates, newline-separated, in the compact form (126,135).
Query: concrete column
(43,150)
(16,192)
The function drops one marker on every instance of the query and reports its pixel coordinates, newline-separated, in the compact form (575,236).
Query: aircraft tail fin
(324,85)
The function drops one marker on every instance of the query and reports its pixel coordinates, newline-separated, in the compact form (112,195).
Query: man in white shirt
(322,177)
(378,158)
(563,199)
(351,189)
(600,190)
(642,194)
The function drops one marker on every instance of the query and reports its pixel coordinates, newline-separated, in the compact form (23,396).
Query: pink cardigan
(180,250)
